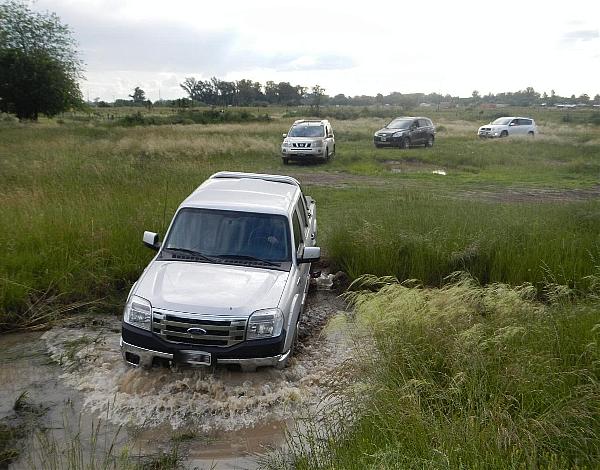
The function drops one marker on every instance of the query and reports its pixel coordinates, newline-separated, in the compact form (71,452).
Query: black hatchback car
(405,132)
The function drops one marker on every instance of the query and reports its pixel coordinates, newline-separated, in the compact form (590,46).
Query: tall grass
(466,377)
(75,199)
(412,234)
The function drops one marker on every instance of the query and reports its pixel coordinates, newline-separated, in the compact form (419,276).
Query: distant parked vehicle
(405,132)
(308,140)
(505,126)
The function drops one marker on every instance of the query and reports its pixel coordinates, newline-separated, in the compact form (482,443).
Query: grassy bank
(76,197)
(466,377)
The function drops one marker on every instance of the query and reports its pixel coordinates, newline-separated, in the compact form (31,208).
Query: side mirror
(513,124)
(283,135)
(150,239)
(310,254)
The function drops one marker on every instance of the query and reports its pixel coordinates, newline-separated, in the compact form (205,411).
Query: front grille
(301,145)
(173,327)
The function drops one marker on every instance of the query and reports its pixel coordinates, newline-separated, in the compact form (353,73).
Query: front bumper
(142,348)
(387,141)
(292,153)
(489,134)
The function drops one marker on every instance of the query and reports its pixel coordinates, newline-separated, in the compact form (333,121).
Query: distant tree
(39,63)
(339,99)
(271,92)
(248,92)
(318,93)
(288,94)
(138,96)
(192,87)
(584,98)
(597,99)
(475,95)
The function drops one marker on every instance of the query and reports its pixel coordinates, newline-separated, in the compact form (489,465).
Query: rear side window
(424,123)
(525,122)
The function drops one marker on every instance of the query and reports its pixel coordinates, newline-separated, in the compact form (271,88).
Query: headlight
(398,134)
(285,144)
(318,144)
(138,312)
(265,324)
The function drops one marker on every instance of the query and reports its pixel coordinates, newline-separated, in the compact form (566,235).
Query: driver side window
(298,238)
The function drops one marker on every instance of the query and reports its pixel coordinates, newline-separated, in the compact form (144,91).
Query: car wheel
(327,154)
(429,142)
(283,364)
(405,143)
(531,134)
(504,134)
(378,146)
(285,160)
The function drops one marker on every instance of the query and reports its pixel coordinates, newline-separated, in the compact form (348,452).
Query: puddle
(226,416)
(412,166)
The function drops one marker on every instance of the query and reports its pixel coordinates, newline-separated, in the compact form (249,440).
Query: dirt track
(484,193)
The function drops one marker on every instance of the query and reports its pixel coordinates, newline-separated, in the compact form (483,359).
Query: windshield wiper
(249,258)
(192,253)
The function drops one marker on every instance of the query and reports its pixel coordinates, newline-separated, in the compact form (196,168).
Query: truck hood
(215,289)
(389,130)
(495,127)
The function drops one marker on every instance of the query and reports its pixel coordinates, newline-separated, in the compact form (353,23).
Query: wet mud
(221,417)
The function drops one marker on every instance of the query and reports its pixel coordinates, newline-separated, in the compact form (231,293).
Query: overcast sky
(361,47)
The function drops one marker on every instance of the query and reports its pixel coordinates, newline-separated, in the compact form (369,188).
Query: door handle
(312,236)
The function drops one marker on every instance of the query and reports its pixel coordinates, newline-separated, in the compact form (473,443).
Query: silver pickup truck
(229,282)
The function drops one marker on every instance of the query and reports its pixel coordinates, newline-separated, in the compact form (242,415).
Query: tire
(405,143)
(378,146)
(285,160)
(327,154)
(531,134)
(284,364)
(504,134)
(429,142)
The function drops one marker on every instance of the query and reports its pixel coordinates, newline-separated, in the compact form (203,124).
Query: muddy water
(227,417)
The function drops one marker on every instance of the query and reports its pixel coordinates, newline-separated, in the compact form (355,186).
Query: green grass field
(76,198)
(476,374)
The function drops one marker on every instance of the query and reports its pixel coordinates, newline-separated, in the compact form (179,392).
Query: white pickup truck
(229,282)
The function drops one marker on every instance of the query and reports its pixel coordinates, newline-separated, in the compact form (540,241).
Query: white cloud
(346,47)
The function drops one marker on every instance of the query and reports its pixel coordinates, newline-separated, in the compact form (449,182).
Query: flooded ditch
(221,418)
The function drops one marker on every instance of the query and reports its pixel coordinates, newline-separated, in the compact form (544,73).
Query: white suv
(505,126)
(229,282)
(308,139)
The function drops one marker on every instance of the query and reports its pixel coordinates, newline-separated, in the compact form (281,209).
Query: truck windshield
(230,237)
(307,131)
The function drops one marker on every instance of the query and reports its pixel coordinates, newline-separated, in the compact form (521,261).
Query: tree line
(40,70)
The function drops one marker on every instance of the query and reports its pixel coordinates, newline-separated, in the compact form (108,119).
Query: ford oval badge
(197,331)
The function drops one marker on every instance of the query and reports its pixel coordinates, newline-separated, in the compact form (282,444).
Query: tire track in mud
(207,401)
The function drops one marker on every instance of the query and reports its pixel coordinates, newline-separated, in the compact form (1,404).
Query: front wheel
(504,134)
(286,362)
(285,160)
(429,142)
(405,143)
(531,134)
